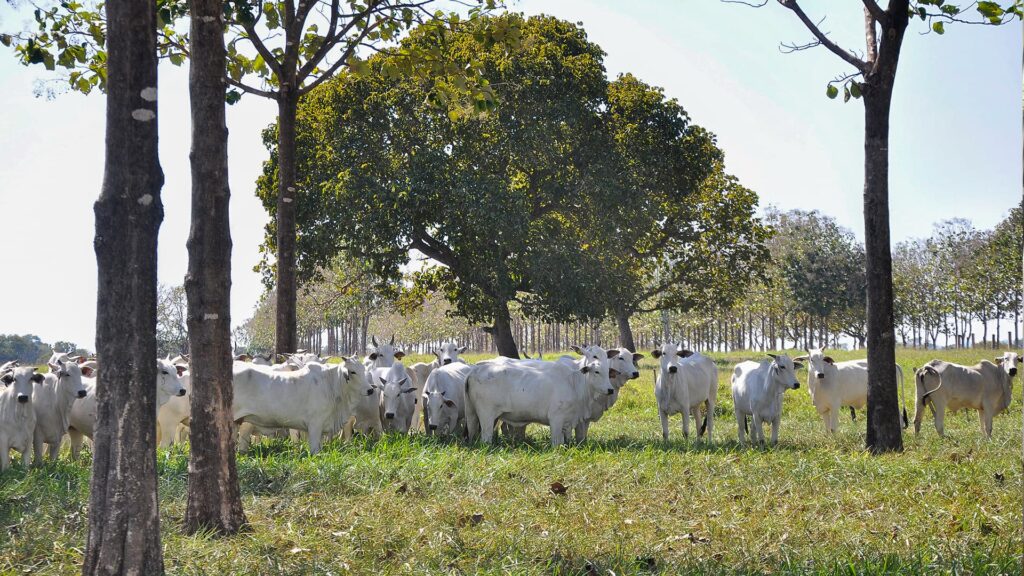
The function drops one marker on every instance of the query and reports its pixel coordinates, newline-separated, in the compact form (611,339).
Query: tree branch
(822,38)
(249,89)
(870,33)
(261,49)
(876,12)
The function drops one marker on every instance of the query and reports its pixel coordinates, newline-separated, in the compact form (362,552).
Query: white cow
(52,402)
(833,385)
(382,355)
(82,421)
(687,383)
(178,409)
(316,401)
(757,389)
(599,403)
(397,398)
(532,391)
(444,400)
(985,387)
(17,418)
(367,418)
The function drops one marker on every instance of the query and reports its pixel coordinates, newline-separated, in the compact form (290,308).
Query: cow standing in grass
(833,385)
(52,402)
(757,389)
(986,387)
(17,418)
(686,384)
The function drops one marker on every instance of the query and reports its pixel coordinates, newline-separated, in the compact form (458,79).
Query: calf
(444,400)
(985,387)
(397,398)
(757,389)
(532,391)
(833,385)
(598,403)
(687,382)
(17,418)
(52,402)
(316,401)
(178,409)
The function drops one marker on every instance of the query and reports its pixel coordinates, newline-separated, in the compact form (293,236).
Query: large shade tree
(873,80)
(499,198)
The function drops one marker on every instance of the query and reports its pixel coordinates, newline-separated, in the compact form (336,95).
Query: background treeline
(954,288)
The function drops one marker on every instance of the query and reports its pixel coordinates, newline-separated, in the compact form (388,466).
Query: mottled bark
(214,499)
(286,326)
(502,333)
(124,524)
(625,332)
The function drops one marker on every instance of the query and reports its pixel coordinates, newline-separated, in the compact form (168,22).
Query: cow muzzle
(796,385)
(634,376)
(22,398)
(1013,371)
(389,415)
(447,361)
(182,392)
(82,393)
(610,391)
(819,375)
(672,369)
(369,392)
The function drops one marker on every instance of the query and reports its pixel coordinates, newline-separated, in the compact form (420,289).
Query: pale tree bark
(214,499)
(124,525)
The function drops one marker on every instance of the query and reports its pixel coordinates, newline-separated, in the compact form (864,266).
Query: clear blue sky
(955,149)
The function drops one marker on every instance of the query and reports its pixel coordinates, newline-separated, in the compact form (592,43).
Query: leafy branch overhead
(274,44)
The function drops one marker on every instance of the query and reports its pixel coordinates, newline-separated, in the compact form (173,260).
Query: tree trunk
(502,332)
(884,433)
(124,523)
(625,332)
(214,499)
(286,333)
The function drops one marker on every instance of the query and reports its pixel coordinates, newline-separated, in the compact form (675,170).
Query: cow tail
(903,398)
(746,428)
(853,414)
(703,425)
(922,398)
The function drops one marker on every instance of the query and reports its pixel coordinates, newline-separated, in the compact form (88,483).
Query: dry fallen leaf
(559,488)
(469,520)
(403,488)
(693,538)
(296,550)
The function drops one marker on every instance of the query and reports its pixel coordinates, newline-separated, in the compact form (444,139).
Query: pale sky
(955,148)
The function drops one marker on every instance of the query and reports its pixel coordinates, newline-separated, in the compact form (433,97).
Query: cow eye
(165,372)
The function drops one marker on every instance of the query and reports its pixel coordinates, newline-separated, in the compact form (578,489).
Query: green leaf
(831,91)
(846,94)
(855,89)
(232,96)
(938,28)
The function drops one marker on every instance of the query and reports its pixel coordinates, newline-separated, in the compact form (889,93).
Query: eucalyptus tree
(497,197)
(872,80)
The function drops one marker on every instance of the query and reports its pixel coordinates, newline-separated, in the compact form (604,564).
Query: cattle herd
(307,396)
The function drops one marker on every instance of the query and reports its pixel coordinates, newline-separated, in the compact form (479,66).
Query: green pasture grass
(633,504)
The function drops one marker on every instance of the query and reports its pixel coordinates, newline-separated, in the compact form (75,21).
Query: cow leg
(346,430)
(165,433)
(487,422)
(54,450)
(244,436)
(37,448)
(557,433)
(25,455)
(741,425)
(940,418)
(775,427)
(316,436)
(826,420)
(664,424)
(5,456)
(757,432)
(985,416)
(834,419)
(581,432)
(76,443)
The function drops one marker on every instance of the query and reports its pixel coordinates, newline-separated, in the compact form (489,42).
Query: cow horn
(392,339)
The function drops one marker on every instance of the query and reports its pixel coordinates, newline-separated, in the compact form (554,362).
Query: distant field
(633,504)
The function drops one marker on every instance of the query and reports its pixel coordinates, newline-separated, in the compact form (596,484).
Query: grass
(633,504)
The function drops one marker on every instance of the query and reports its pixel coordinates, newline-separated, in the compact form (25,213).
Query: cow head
(384,355)
(442,411)
(392,388)
(669,355)
(624,362)
(783,371)
(818,364)
(1008,362)
(448,353)
(21,379)
(354,374)
(168,383)
(69,378)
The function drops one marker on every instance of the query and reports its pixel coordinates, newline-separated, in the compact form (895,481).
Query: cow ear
(613,353)
(637,357)
(998,359)
(800,359)
(373,356)
(656,353)
(1019,360)
(828,359)
(613,373)
(54,368)
(797,365)
(930,369)
(576,349)
(585,369)
(407,390)
(7,379)
(772,356)
(38,378)
(449,403)
(373,340)
(684,353)
(399,355)
(461,349)
(181,369)
(382,380)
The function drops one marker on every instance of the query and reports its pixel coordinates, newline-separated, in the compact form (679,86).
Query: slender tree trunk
(286,333)
(625,332)
(502,332)
(124,523)
(883,429)
(214,499)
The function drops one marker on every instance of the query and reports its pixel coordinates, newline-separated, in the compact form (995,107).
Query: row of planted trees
(954,288)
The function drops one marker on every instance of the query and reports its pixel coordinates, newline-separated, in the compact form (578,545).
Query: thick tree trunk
(214,499)
(884,432)
(124,523)
(502,332)
(286,330)
(625,332)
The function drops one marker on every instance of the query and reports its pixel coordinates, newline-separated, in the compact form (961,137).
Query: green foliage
(27,349)
(816,504)
(171,320)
